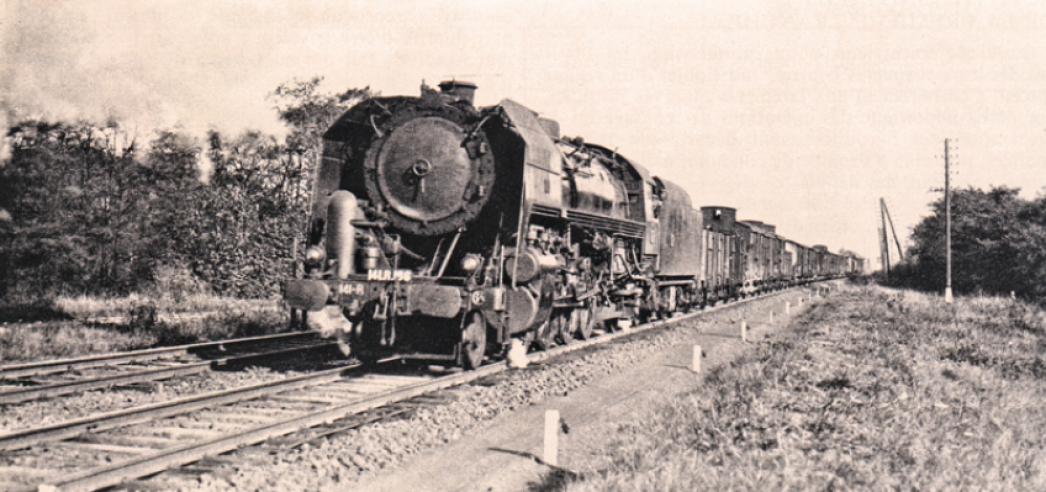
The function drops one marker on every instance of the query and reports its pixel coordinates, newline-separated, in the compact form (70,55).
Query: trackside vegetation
(871,390)
(141,325)
(998,245)
(98,209)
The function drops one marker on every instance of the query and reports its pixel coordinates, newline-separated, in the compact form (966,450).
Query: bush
(177,283)
(998,246)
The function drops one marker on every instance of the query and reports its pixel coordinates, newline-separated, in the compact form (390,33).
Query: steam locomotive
(440,230)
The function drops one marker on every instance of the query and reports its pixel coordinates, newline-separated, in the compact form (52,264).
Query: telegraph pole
(948,228)
(896,240)
(882,251)
(886,240)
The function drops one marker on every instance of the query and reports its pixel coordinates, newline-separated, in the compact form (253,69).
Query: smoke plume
(147,65)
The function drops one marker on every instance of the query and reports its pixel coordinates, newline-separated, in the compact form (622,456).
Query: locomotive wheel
(692,304)
(528,338)
(544,336)
(669,303)
(473,340)
(363,343)
(581,321)
(643,316)
(564,328)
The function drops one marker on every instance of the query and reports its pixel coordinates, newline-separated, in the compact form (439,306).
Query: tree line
(998,245)
(88,208)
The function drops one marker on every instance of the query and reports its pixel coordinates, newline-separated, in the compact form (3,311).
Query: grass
(70,334)
(86,307)
(872,390)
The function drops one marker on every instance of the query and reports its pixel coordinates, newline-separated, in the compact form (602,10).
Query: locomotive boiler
(442,230)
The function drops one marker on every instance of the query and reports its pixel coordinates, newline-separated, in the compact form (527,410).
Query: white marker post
(788,308)
(771,317)
(551,437)
(695,364)
(744,331)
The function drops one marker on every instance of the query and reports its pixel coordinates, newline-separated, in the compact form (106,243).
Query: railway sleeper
(105,448)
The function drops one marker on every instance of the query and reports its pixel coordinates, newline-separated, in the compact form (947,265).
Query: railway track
(116,447)
(21,383)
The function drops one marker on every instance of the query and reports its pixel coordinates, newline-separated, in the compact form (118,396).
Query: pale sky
(800,114)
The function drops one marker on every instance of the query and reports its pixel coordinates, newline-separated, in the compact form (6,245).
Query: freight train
(442,231)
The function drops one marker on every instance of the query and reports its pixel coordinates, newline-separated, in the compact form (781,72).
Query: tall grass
(87,307)
(143,329)
(872,390)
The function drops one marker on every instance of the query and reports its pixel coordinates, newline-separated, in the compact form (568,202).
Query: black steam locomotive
(440,230)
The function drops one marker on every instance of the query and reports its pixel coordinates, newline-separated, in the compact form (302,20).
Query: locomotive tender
(442,231)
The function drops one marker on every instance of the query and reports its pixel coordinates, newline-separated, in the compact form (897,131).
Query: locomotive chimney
(458,90)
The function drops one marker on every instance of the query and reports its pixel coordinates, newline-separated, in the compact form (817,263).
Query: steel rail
(27,437)
(97,478)
(11,371)
(24,438)
(93,479)
(23,395)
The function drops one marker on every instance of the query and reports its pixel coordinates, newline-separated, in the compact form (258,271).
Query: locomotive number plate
(351,289)
(389,275)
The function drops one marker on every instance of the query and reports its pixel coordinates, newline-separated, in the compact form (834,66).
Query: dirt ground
(506,455)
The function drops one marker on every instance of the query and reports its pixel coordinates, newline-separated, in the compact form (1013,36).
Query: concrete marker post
(788,308)
(744,331)
(771,317)
(695,363)
(551,437)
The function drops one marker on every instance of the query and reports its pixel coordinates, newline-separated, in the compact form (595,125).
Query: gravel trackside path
(500,457)
(484,436)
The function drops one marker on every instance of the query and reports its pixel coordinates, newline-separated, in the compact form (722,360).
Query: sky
(802,114)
